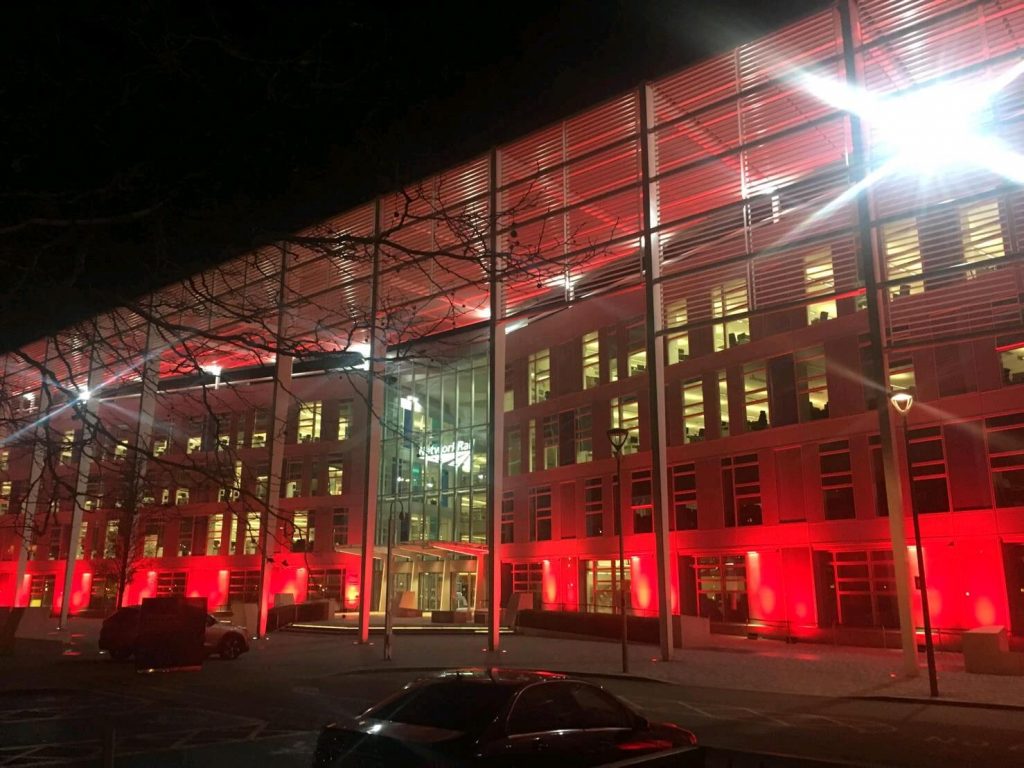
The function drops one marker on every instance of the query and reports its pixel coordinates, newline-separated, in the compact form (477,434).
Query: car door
(563,723)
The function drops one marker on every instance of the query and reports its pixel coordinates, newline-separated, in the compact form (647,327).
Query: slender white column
(657,429)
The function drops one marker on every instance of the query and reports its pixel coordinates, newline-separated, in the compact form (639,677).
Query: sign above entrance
(457,454)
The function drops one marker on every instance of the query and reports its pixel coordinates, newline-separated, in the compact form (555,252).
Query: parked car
(120,631)
(501,718)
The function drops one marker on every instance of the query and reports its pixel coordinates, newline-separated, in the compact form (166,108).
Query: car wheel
(230,647)
(121,654)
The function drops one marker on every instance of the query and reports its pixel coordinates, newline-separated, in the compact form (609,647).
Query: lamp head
(902,401)
(617,436)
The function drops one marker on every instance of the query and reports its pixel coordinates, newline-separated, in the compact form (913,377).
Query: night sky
(142,144)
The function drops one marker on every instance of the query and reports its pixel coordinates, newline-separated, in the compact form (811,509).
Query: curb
(569,673)
(938,702)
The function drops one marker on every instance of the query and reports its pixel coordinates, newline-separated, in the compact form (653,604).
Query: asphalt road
(265,709)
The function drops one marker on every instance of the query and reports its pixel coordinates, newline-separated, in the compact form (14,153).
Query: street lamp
(617,436)
(902,401)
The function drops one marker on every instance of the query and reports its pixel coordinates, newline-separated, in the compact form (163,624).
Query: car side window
(599,710)
(545,707)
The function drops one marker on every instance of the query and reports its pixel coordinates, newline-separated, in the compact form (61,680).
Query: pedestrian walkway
(725,662)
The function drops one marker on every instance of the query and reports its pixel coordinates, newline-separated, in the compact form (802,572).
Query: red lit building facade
(726,254)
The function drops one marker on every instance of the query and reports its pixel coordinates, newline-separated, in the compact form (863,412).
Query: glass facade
(434,450)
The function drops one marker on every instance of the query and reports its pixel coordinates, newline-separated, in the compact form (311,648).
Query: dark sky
(141,141)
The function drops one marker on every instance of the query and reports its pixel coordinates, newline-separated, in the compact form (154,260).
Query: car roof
(493,675)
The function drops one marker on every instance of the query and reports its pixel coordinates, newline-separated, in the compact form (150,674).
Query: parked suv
(120,632)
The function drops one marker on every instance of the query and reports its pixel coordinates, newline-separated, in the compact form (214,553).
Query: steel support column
(496,390)
(87,411)
(657,429)
(374,415)
(868,262)
(270,515)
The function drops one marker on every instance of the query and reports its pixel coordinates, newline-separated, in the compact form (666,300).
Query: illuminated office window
(584,440)
(819,281)
(755,394)
(727,300)
(677,343)
(310,417)
(902,251)
(625,414)
(335,476)
(693,410)
(636,336)
(539,370)
(723,403)
(591,356)
(550,426)
(982,232)
(214,532)
(811,384)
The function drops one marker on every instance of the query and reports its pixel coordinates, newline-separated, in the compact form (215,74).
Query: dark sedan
(501,718)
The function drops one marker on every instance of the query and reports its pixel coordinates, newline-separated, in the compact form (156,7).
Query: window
(335,476)
(626,415)
(550,426)
(171,583)
(636,338)
(83,539)
(1005,438)
(539,370)
(513,452)
(601,585)
(741,486)
(540,513)
(982,233)
(836,480)
(325,584)
(262,488)
(584,436)
(509,400)
(755,395)
(194,439)
(41,591)
(251,534)
(811,384)
(728,300)
(302,533)
(181,496)
(865,588)
(67,447)
(928,470)
(508,517)
(566,706)
(59,542)
(5,461)
(260,427)
(310,417)
(160,445)
(902,251)
(186,536)
(344,419)
(612,358)
(878,476)
(1012,361)
(121,451)
(293,480)
(723,403)
(819,281)
(223,424)
(528,577)
(901,374)
(684,498)
(593,506)
(641,501)
(531,457)
(214,531)
(153,539)
(244,586)
(722,588)
(5,496)
(677,343)
(339,529)
(693,410)
(591,356)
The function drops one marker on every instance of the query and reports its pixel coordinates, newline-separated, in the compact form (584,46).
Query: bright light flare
(927,131)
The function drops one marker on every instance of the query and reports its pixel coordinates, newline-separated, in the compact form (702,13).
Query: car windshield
(455,705)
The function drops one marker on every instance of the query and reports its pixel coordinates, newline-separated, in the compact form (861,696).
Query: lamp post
(617,436)
(902,401)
